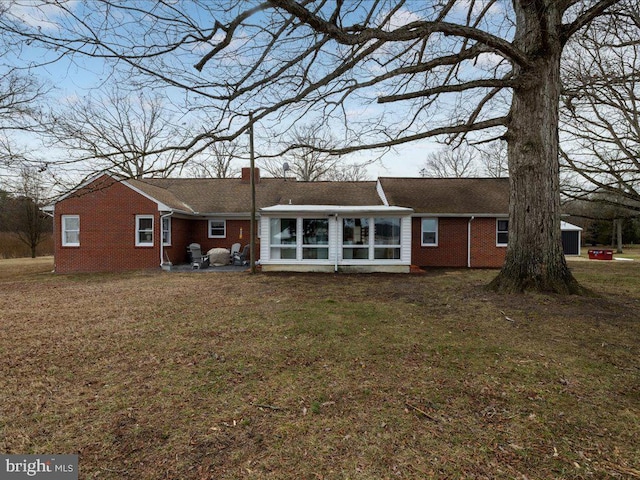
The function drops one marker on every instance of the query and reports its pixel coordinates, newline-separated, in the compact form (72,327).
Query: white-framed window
(502,232)
(217,228)
(283,238)
(429,233)
(315,238)
(299,238)
(355,238)
(70,230)
(386,238)
(166,231)
(144,230)
(358,243)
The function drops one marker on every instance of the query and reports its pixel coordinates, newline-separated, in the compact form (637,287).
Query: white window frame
(422,231)
(498,232)
(166,240)
(371,245)
(306,247)
(138,231)
(224,227)
(284,247)
(65,229)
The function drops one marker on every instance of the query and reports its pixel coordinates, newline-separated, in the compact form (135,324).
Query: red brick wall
(181,236)
(484,253)
(452,244)
(107,211)
(237,231)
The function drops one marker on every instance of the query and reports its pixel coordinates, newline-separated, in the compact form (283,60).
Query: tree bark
(619,245)
(534,258)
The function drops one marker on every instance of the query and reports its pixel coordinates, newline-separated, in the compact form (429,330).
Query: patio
(186,267)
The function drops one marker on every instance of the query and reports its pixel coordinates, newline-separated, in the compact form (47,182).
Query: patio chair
(197,259)
(242,258)
(235,248)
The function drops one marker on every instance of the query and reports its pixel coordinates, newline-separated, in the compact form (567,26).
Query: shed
(571,238)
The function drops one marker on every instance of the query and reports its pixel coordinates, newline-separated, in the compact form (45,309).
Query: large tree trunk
(534,259)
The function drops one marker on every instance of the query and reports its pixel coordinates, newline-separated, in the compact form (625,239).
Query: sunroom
(329,238)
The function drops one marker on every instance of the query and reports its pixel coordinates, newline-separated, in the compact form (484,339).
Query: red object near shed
(601,254)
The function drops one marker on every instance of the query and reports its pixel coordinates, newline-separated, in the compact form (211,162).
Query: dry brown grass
(197,376)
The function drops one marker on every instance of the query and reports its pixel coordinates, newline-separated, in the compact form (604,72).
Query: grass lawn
(284,376)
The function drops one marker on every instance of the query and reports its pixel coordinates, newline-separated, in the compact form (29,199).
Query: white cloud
(43,16)
(401,18)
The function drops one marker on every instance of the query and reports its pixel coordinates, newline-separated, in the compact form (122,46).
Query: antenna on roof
(285,168)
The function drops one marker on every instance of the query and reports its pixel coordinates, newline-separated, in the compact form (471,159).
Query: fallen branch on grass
(269,407)
(422,412)
(507,318)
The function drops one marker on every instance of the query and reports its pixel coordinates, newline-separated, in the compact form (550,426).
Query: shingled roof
(206,196)
(454,196)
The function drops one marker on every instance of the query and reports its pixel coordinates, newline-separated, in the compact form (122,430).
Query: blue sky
(83,76)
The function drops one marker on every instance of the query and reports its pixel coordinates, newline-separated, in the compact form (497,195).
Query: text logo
(49,467)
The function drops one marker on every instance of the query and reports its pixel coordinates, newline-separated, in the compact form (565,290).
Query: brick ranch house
(109,224)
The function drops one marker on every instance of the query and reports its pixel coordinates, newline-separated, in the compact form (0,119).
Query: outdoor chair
(197,259)
(235,248)
(242,258)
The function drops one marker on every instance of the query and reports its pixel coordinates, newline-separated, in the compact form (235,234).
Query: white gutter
(162,217)
(469,241)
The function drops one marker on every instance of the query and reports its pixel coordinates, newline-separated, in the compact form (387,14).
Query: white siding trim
(405,239)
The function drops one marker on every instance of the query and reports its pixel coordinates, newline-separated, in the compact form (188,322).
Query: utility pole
(252,181)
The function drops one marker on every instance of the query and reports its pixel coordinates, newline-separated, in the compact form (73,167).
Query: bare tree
(217,161)
(22,215)
(388,72)
(494,160)
(450,162)
(122,133)
(348,172)
(19,97)
(601,114)
(312,160)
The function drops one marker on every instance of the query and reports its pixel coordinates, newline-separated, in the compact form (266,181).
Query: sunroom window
(355,238)
(387,239)
(359,244)
(315,238)
(283,238)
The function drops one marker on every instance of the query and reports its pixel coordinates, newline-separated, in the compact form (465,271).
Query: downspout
(335,267)
(469,241)
(162,217)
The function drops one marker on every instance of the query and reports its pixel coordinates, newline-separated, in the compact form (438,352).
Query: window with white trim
(315,238)
(144,230)
(217,228)
(70,230)
(359,244)
(429,232)
(283,238)
(386,238)
(166,230)
(355,238)
(502,232)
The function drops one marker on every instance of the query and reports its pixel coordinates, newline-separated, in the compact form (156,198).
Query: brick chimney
(246,175)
